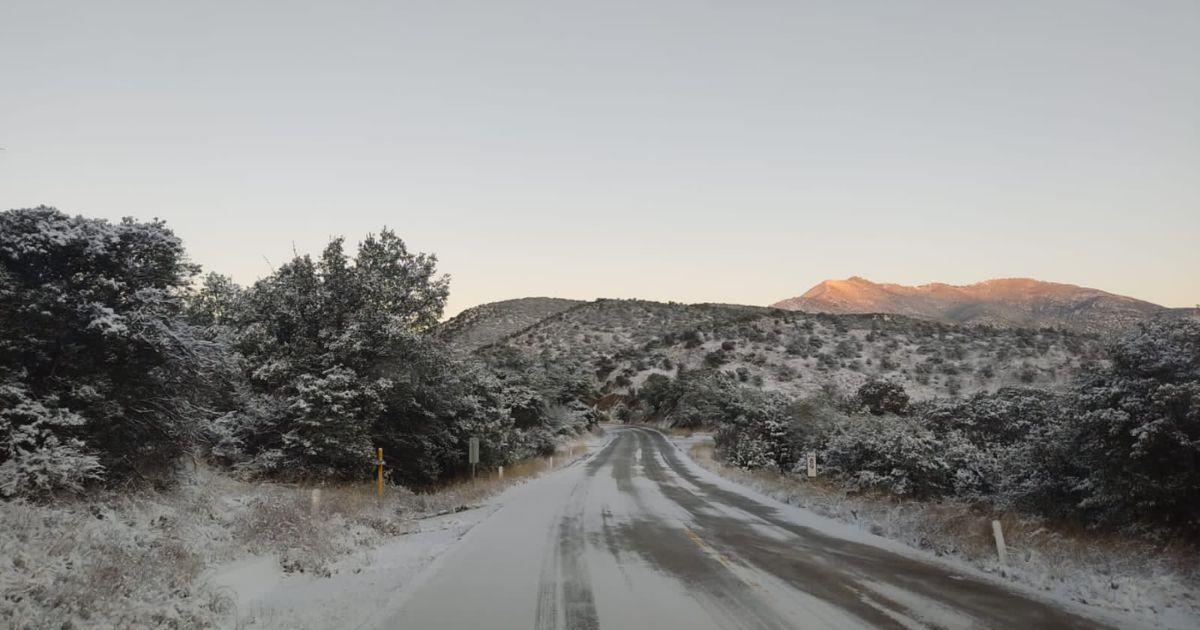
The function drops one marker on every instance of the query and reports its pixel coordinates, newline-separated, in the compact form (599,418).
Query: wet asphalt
(637,536)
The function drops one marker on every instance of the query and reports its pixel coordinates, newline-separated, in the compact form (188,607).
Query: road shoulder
(794,505)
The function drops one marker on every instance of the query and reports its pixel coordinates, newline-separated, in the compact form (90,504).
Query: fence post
(379,457)
(998,534)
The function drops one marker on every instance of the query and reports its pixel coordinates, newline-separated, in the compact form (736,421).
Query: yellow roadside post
(379,458)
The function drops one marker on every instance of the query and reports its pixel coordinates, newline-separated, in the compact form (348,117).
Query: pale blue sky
(690,151)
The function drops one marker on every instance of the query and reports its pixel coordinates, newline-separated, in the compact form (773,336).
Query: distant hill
(488,323)
(622,342)
(1006,303)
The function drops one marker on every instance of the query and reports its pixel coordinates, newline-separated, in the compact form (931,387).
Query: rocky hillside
(485,324)
(622,342)
(1012,302)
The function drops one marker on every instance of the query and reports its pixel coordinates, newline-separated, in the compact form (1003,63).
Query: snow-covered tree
(339,361)
(214,303)
(772,431)
(98,366)
(1138,434)
(331,344)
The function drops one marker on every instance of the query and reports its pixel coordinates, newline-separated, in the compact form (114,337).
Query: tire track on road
(813,553)
(564,576)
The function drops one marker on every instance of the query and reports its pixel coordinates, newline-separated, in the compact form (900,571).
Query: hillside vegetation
(623,343)
(1048,421)
(488,323)
(1119,449)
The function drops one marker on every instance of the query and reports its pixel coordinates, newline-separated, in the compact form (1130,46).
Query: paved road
(638,536)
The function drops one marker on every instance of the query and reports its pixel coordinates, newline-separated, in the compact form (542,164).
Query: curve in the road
(639,537)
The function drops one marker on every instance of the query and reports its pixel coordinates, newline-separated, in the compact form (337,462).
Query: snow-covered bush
(536,442)
(36,461)
(526,406)
(901,456)
(704,398)
(880,397)
(697,398)
(1137,438)
(1002,417)
(101,373)
(772,431)
(1038,473)
(1022,446)
(750,446)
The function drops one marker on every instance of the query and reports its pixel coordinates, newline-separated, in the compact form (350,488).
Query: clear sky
(690,151)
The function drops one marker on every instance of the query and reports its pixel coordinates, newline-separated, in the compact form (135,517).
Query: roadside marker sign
(812,464)
(473,454)
(379,462)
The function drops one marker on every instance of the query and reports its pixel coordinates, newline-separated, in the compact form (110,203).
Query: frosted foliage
(337,358)
(37,461)
(1122,450)
(99,371)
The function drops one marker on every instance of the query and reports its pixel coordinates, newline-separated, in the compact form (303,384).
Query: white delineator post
(998,534)
(316,500)
(501,472)
(812,464)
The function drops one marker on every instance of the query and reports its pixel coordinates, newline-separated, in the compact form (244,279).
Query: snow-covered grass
(214,551)
(1159,583)
(117,560)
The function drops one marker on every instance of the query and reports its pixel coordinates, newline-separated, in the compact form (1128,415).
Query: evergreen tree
(1138,435)
(98,369)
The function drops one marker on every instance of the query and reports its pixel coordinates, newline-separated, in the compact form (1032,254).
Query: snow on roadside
(359,584)
(214,551)
(350,590)
(1118,581)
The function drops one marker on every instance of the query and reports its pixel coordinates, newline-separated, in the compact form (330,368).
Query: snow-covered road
(638,536)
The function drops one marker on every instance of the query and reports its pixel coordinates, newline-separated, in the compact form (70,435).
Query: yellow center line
(719,556)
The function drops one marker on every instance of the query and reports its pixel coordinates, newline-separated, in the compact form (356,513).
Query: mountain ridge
(1003,302)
